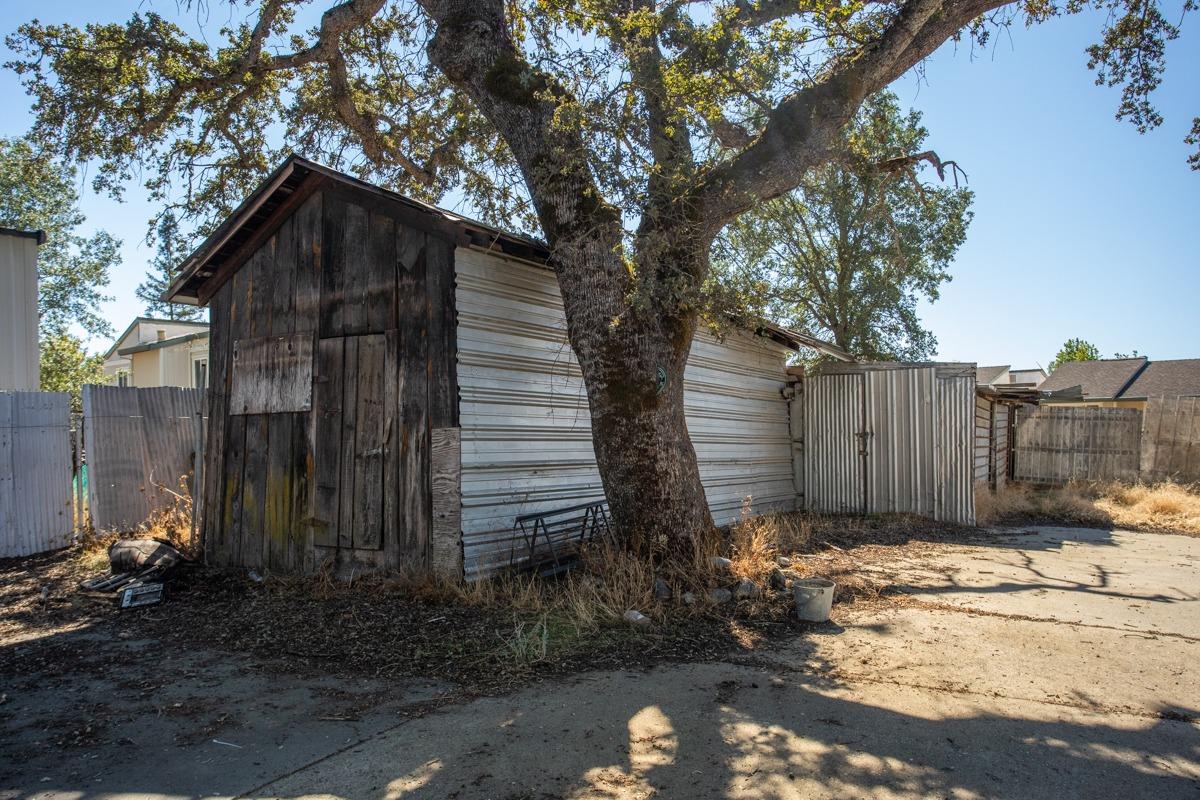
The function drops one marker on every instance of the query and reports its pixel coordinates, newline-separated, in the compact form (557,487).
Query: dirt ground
(1049,662)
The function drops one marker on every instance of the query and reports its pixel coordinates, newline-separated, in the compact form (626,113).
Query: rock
(778,580)
(688,598)
(746,588)
(721,564)
(662,590)
(720,596)
(783,561)
(637,619)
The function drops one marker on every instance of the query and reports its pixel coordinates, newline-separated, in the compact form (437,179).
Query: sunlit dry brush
(1166,506)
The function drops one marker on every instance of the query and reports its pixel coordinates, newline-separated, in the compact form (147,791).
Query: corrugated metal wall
(953,429)
(916,427)
(139,442)
(19,368)
(901,420)
(834,413)
(526,433)
(35,472)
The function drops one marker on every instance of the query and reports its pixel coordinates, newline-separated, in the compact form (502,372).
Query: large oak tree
(628,133)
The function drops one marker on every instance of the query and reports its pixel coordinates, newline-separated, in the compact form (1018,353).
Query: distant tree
(39,194)
(173,248)
(849,253)
(1075,350)
(1133,354)
(66,366)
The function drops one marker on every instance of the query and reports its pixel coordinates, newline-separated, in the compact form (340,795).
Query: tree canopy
(38,194)
(1075,350)
(173,249)
(709,96)
(849,253)
(66,366)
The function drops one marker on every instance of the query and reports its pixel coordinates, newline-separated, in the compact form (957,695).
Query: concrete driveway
(1050,663)
(1056,663)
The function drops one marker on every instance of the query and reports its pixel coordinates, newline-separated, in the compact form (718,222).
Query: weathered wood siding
(526,432)
(1171,439)
(332,360)
(991,441)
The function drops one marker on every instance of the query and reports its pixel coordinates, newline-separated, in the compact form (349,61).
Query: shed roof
(1103,379)
(1176,377)
(227,247)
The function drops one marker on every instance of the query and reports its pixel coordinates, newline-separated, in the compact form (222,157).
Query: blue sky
(1082,226)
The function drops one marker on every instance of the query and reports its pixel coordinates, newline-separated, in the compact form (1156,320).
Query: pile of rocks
(779,581)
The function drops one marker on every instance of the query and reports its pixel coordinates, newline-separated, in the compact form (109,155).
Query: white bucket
(814,598)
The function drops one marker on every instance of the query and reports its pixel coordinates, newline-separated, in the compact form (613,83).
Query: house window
(200,373)
(122,379)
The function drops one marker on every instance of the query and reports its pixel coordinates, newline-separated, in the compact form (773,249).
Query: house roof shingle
(1100,380)
(1171,378)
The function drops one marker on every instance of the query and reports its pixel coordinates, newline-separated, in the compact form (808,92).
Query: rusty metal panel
(35,472)
(526,442)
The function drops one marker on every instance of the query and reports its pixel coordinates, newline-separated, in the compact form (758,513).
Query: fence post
(198,477)
(80,512)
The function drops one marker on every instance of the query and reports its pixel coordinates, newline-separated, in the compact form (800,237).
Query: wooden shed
(391,387)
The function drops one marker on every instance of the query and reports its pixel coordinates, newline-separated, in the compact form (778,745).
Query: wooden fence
(1171,439)
(35,472)
(140,442)
(1057,444)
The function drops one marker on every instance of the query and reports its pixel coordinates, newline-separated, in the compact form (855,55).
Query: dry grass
(1164,506)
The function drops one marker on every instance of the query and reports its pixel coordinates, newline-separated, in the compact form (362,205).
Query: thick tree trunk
(630,334)
(633,363)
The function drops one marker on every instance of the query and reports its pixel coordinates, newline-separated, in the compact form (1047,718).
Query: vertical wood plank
(356,273)
(391,464)
(346,487)
(380,289)
(446,486)
(307,254)
(254,490)
(327,441)
(443,337)
(414,392)
(369,443)
(333,263)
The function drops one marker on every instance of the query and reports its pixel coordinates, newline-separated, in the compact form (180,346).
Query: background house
(1005,375)
(159,352)
(1121,382)
(18,309)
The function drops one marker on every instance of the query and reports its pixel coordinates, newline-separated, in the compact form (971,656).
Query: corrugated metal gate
(883,438)
(35,472)
(140,442)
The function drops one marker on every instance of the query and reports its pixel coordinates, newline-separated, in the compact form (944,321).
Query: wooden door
(354,466)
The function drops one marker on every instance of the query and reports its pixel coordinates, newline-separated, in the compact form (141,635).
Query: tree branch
(803,130)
